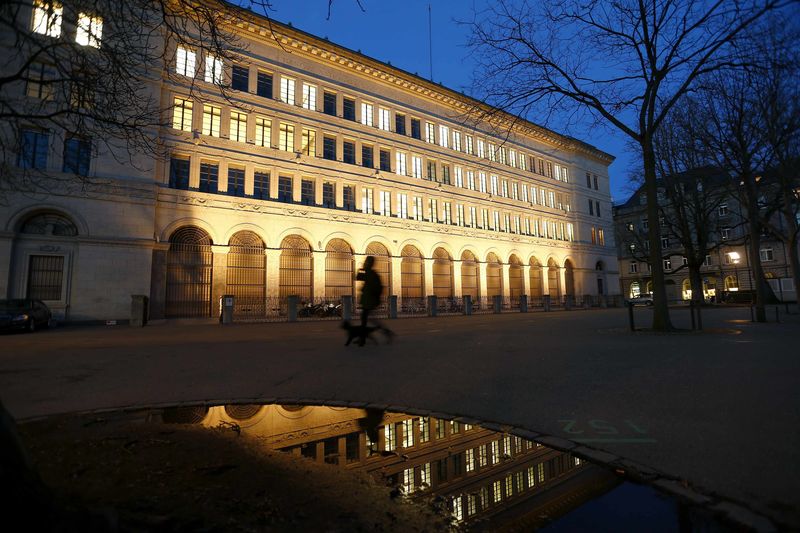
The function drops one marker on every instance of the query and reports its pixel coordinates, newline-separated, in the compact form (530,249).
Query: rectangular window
(633,267)
(264,84)
(366,201)
(383,119)
(541,167)
(307,196)
(385,160)
(570,232)
(470,460)
(40,80)
(235,181)
(349,109)
(367,156)
(238,129)
(240,78)
(431,170)
(47,18)
(349,152)
(725,233)
(433,215)
(400,123)
(597,208)
(328,195)
(286,137)
(45,277)
(457,141)
(515,191)
(494,187)
(482,456)
(507,223)
(496,221)
(492,152)
(287,90)
(285,193)
(468,144)
(408,433)
(430,133)
(601,237)
(185,62)
(595,182)
(308,142)
(501,155)
(447,218)
(77,156)
(179,173)
(481,149)
(471,180)
(329,103)
(212,115)
(213,69)
(459,215)
(400,159)
(522,159)
(402,205)
(424,429)
(667,264)
(766,254)
(664,242)
(385,205)
(209,177)
(329,148)
(444,136)
(473,218)
(33,149)
(261,185)
(482,181)
(416,166)
(366,114)
(263,132)
(591,207)
(512,158)
(722,210)
(459,177)
(390,438)
(349,198)
(309,97)
(551,199)
(416,128)
(549,169)
(446,174)
(182,114)
(505,188)
(418,214)
(89,31)
(524,192)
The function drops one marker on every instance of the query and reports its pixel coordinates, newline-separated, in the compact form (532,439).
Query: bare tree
(625,64)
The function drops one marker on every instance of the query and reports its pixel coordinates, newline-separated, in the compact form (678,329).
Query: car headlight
(20,318)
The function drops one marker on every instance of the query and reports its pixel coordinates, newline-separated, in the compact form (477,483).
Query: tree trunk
(696,280)
(754,229)
(794,259)
(661,321)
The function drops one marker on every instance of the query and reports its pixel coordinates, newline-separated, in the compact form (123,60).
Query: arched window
(494,276)
(47,268)
(731,283)
(246,274)
(189,273)
(536,278)
(686,289)
(338,269)
(469,275)
(442,273)
(635,290)
(383,266)
(412,280)
(515,286)
(296,270)
(49,224)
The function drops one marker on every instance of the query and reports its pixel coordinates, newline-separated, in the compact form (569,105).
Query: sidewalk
(718,409)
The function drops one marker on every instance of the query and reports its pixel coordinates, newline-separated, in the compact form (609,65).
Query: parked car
(24,314)
(642,299)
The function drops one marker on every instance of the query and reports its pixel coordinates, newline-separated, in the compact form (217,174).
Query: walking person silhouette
(371,293)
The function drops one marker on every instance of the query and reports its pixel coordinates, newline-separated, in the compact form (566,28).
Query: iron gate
(246,274)
(189,270)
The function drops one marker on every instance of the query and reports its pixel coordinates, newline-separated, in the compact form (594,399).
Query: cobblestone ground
(717,411)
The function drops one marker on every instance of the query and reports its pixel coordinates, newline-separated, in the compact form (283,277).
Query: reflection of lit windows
(439,428)
(47,18)
(470,454)
(495,453)
(472,504)
(457,510)
(540,471)
(308,142)
(531,473)
(309,97)
(383,119)
(497,491)
(507,446)
(408,433)
(482,456)
(509,485)
(484,497)
(89,30)
(408,480)
(390,436)
(366,114)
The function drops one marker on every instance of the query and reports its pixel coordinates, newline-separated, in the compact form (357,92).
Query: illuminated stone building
(320,156)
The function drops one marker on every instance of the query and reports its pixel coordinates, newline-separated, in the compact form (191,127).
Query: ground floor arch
(247,273)
(296,273)
(442,273)
(189,273)
(339,269)
(470,271)
(494,275)
(412,273)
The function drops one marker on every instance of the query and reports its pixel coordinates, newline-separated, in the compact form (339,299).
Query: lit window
(89,30)
(540,472)
(47,18)
(309,97)
(408,479)
(481,149)
(366,201)
(468,144)
(492,152)
(213,69)
(459,180)
(425,474)
(385,206)
(390,436)
(402,205)
(494,185)
(424,422)
(185,62)
(263,132)
(383,119)
(287,90)
(400,159)
(431,133)
(501,155)
(238,131)
(182,114)
(416,166)
(419,214)
(211,118)
(444,136)
(458,512)
(497,491)
(286,137)
(308,143)
(457,141)
(601,240)
(512,158)
(522,159)
(470,180)
(366,114)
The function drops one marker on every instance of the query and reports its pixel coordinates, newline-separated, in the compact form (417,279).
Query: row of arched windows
(190,261)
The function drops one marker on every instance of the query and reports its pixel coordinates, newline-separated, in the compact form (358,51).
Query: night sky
(397,32)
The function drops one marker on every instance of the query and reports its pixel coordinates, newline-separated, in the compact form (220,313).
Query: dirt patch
(131,476)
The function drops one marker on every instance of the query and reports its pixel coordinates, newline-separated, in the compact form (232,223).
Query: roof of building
(532,129)
(713,174)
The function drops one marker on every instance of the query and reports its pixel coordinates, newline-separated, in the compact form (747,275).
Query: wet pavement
(712,415)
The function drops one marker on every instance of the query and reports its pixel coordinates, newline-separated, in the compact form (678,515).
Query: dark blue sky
(397,32)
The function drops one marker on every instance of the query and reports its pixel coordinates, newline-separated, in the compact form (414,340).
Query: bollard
(347,307)
(292,302)
(630,316)
(497,301)
(467,304)
(546,302)
(393,306)
(432,305)
(523,303)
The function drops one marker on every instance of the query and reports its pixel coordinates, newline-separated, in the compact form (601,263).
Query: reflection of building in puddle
(481,473)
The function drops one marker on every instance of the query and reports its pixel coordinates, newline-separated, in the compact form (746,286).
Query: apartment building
(314,157)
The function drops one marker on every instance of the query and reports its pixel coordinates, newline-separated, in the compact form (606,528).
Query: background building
(314,158)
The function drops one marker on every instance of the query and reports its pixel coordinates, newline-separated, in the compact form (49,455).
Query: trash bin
(139,310)
(226,309)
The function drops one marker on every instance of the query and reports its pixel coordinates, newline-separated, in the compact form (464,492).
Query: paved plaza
(717,411)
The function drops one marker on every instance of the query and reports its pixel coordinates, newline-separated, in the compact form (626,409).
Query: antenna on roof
(430,42)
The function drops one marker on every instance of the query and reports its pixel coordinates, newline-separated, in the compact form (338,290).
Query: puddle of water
(489,480)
